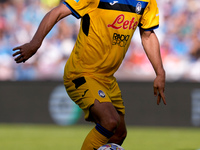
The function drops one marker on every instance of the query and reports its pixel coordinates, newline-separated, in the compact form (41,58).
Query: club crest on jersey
(138,8)
(101,94)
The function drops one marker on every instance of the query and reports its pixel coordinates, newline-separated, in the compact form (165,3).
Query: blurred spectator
(179,36)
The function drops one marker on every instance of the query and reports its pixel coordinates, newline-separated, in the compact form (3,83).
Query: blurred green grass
(52,137)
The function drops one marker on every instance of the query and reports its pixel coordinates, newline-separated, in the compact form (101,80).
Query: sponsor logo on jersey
(120,22)
(138,8)
(120,39)
(101,94)
(76,1)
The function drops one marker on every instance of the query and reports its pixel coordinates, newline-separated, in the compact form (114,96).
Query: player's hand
(24,52)
(159,88)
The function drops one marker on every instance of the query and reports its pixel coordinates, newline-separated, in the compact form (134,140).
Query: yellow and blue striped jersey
(105,33)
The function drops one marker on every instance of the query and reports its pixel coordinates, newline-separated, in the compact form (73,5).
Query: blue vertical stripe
(72,10)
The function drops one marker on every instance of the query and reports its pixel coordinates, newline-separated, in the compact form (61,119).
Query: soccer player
(104,37)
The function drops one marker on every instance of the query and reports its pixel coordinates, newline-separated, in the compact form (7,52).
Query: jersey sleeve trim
(149,29)
(74,13)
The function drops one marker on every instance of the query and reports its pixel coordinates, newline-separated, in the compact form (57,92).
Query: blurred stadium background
(179,36)
(32,93)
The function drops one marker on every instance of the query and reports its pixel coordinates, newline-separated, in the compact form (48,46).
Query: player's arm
(50,19)
(152,48)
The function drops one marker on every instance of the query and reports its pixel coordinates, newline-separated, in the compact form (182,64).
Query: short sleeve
(150,18)
(81,7)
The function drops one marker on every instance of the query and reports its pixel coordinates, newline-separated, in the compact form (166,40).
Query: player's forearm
(152,49)
(45,26)
(48,22)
